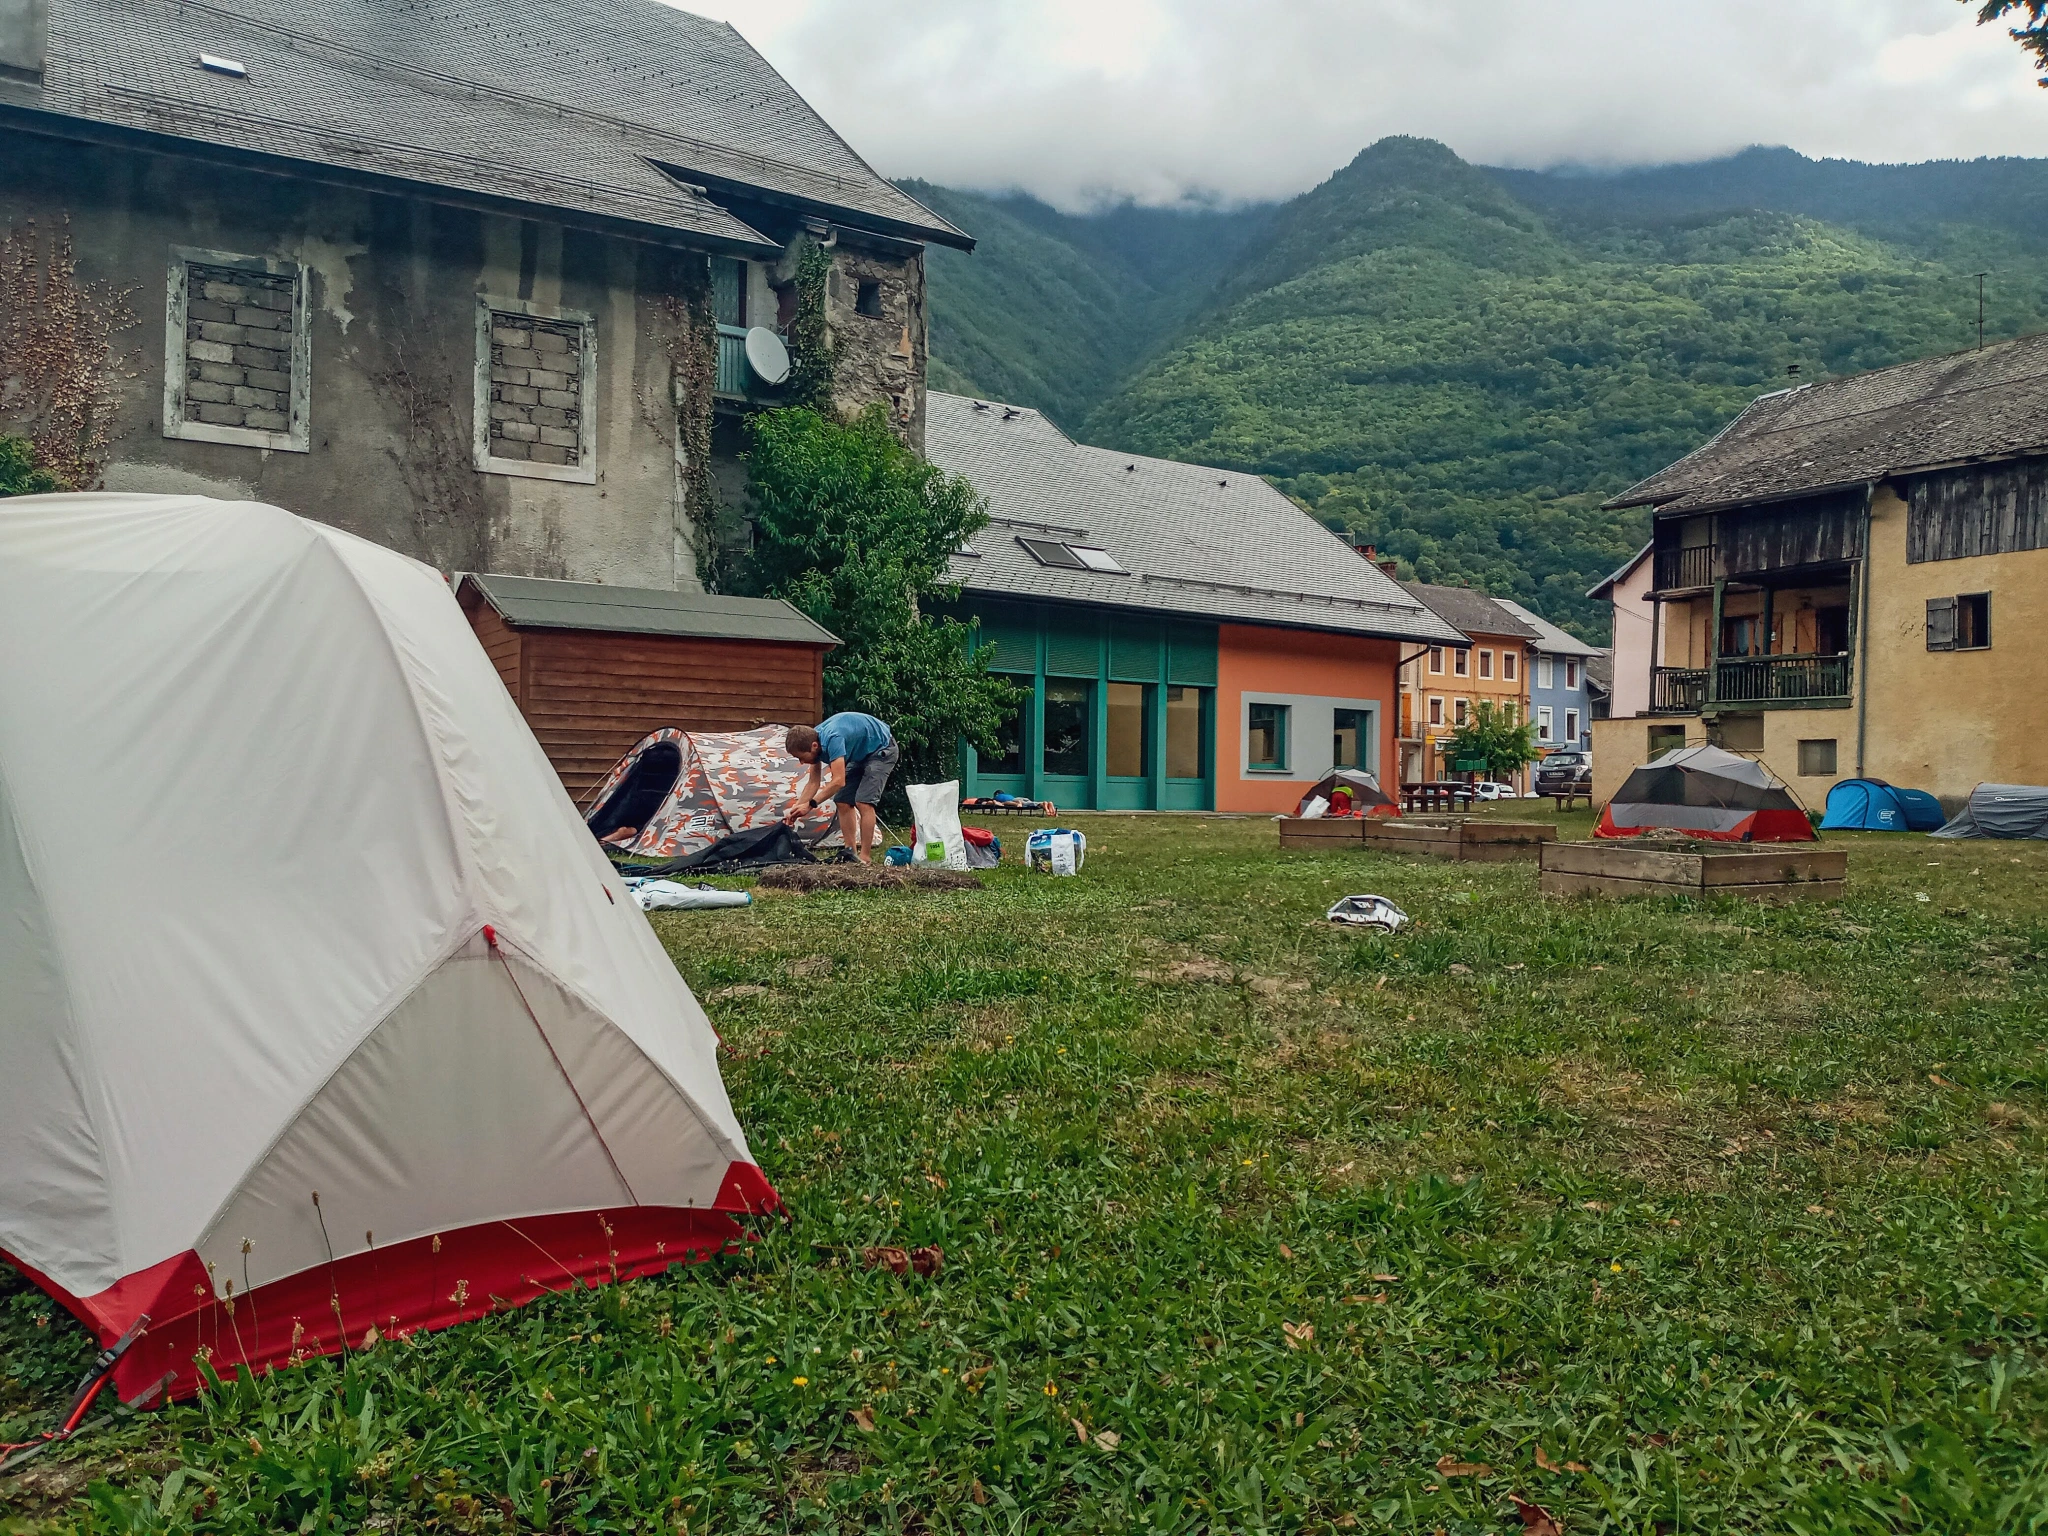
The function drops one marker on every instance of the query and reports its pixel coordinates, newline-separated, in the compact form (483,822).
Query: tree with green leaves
(2031,33)
(1497,734)
(19,473)
(855,529)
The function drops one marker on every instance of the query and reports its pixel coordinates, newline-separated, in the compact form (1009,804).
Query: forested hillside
(1459,364)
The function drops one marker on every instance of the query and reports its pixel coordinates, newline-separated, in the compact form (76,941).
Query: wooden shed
(594,668)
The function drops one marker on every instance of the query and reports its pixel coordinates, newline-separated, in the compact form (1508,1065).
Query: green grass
(1740,1210)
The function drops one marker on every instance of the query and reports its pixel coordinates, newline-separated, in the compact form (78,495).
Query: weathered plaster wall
(1946,721)
(392,306)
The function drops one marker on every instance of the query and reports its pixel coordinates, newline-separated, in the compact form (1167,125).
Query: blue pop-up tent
(1871,805)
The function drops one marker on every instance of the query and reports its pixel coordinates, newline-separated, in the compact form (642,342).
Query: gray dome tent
(2001,810)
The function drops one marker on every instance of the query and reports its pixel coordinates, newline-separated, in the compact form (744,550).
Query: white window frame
(1510,665)
(584,470)
(1436,711)
(1571,672)
(298,434)
(1461,662)
(1571,726)
(1486,665)
(1436,660)
(1543,722)
(1461,713)
(1546,672)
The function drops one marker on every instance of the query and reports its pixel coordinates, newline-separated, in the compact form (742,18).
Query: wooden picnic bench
(1436,796)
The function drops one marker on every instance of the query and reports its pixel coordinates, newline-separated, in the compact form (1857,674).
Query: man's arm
(834,781)
(805,797)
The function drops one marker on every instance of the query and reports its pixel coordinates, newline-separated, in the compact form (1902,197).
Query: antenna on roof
(981,405)
(1130,469)
(1011,413)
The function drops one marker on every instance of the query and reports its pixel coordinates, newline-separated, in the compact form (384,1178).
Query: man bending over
(851,757)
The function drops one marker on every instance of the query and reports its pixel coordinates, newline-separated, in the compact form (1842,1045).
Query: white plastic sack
(1056,850)
(1316,806)
(938,839)
(672,896)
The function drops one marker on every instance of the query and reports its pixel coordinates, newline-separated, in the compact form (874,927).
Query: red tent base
(1773,826)
(427,1282)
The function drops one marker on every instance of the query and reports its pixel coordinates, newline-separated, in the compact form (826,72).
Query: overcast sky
(1084,100)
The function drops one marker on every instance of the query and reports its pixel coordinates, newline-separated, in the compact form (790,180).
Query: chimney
(24,39)
(1391,567)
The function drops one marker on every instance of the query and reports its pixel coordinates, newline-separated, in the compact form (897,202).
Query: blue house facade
(1560,702)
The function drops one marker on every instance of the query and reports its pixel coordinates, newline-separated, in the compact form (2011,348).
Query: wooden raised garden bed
(1668,867)
(1436,837)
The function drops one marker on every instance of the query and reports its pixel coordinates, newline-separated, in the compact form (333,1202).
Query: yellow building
(1830,573)
(1443,684)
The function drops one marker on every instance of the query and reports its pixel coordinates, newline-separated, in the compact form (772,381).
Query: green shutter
(1073,646)
(1016,646)
(1134,650)
(1191,654)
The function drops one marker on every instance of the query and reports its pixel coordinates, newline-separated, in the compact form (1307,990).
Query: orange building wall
(1295,661)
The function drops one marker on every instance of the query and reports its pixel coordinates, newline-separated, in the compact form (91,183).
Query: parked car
(1565,773)
(1493,789)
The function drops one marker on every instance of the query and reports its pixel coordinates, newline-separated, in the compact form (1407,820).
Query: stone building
(475,281)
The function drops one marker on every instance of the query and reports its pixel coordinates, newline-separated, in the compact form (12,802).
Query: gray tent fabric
(2001,810)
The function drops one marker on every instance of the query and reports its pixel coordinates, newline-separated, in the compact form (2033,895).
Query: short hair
(800,741)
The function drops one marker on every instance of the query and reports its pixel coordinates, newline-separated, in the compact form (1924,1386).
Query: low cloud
(1083,101)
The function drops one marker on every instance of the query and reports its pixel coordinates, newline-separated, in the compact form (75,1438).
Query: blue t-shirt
(853,736)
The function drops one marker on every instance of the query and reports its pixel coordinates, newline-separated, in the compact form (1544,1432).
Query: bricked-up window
(536,399)
(237,360)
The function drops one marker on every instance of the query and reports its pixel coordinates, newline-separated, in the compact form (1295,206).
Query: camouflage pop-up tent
(1706,793)
(681,791)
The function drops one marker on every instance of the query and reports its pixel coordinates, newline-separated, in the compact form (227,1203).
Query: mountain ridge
(1460,363)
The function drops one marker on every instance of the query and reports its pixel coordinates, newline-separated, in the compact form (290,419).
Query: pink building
(1628,589)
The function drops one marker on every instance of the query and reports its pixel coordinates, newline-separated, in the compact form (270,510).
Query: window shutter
(1941,623)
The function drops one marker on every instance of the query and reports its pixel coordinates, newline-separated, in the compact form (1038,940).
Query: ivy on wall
(59,374)
(814,350)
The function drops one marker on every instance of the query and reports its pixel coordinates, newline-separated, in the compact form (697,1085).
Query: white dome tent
(323,1011)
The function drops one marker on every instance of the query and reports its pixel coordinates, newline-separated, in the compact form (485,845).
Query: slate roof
(1549,638)
(1206,543)
(565,104)
(526,602)
(1470,610)
(1600,674)
(1844,432)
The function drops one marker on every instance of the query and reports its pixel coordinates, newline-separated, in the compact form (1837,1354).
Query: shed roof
(573,105)
(1837,433)
(527,602)
(1208,543)
(1470,610)
(1549,638)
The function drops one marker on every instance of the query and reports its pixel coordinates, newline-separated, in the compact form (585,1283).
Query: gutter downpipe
(1863,632)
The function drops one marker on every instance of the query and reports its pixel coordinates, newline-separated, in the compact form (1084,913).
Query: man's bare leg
(849,832)
(864,815)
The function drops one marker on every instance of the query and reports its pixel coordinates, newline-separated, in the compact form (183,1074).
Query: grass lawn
(1661,1216)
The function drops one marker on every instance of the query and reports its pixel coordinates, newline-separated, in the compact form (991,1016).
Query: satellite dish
(767,356)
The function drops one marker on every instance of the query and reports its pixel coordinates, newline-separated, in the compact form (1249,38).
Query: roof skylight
(1072,557)
(234,69)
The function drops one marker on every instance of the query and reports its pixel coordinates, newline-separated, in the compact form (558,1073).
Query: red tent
(1710,794)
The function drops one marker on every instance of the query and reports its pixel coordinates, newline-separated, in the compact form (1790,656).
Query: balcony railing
(1741,680)
(1678,690)
(1689,566)
(1763,679)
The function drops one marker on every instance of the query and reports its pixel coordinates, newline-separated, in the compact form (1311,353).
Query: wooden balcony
(1686,569)
(1744,682)
(1678,690)
(1782,679)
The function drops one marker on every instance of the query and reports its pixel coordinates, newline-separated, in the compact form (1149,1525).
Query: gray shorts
(866,777)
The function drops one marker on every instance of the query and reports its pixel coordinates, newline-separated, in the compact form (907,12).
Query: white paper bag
(937,809)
